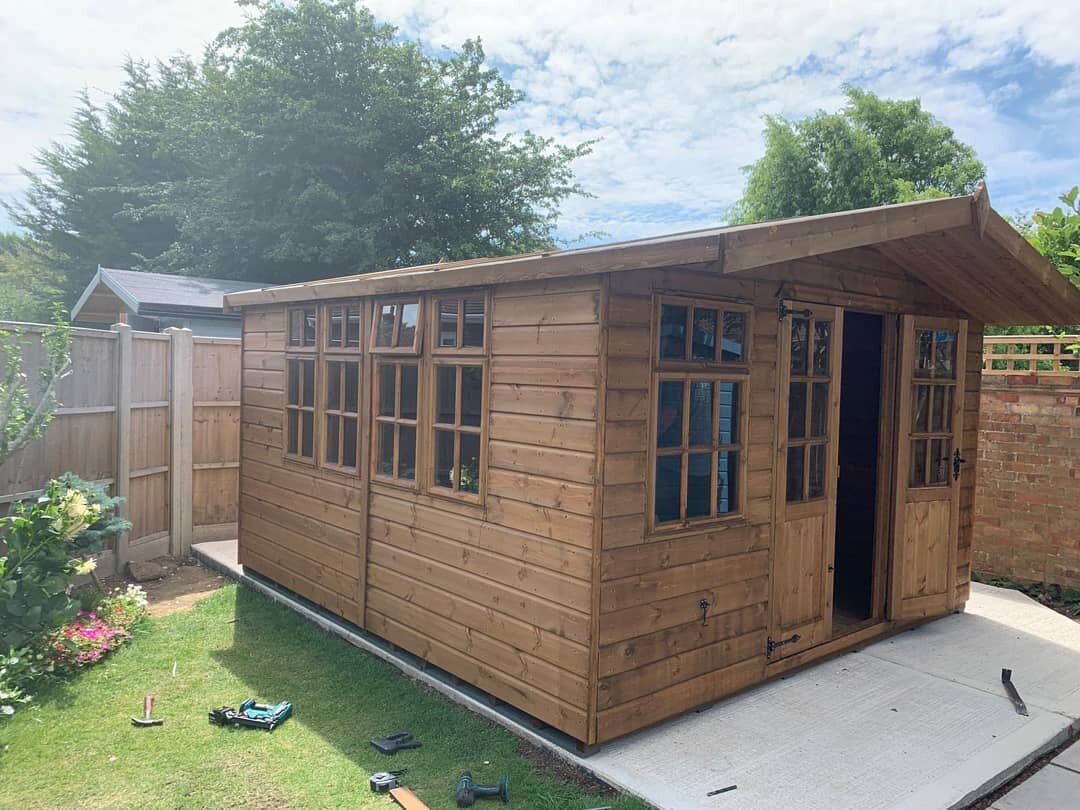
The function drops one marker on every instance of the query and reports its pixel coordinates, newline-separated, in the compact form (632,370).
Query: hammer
(146,719)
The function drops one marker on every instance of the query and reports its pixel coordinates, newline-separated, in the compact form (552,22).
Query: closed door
(928,466)
(805,517)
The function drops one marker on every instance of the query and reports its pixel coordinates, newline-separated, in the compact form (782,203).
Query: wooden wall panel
(969,444)
(500,594)
(656,658)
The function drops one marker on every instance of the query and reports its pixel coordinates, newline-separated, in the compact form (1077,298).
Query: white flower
(85,566)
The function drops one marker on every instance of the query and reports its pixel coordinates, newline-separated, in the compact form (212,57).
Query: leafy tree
(309,142)
(1056,234)
(29,286)
(872,152)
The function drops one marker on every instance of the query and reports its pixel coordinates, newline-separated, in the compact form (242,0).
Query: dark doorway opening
(857,488)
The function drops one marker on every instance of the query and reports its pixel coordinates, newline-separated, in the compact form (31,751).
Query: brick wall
(1028,478)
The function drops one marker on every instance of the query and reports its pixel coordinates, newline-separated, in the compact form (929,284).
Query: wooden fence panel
(153,416)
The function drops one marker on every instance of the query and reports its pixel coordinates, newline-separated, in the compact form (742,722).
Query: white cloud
(675,90)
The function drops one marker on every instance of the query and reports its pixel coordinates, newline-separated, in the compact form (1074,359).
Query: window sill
(398,483)
(444,494)
(681,530)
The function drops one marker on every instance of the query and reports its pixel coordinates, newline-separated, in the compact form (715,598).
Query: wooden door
(929,456)
(805,487)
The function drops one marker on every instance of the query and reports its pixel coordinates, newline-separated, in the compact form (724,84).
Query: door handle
(957,462)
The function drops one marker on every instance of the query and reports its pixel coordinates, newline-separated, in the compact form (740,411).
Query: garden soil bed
(185,584)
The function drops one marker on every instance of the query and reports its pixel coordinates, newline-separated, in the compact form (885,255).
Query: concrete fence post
(122,479)
(181,418)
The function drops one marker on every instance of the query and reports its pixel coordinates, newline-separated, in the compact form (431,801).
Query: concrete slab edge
(993,768)
(609,776)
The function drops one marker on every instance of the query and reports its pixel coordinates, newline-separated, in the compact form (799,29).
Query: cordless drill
(467,791)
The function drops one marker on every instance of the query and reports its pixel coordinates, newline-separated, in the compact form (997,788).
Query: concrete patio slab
(1069,758)
(1052,788)
(917,721)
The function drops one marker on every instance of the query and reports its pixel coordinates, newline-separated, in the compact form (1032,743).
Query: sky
(673,92)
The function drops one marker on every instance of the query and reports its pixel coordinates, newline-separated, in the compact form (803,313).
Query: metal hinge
(771,646)
(783,310)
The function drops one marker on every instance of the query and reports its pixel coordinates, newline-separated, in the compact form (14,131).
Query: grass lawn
(75,746)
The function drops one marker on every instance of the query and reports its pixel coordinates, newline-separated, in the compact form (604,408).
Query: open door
(929,457)
(805,502)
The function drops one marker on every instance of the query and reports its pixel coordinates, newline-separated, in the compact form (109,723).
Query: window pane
(941,408)
(945,354)
(734,337)
(307,435)
(473,331)
(800,337)
(334,337)
(472,395)
(296,327)
(408,392)
(669,414)
(309,327)
(333,386)
(924,352)
(309,383)
(386,449)
(294,382)
(704,337)
(939,461)
(384,336)
(701,413)
(444,458)
(797,410)
(727,476)
(728,429)
(817,471)
(352,327)
(349,452)
(819,409)
(448,311)
(470,463)
(673,332)
(332,426)
(921,409)
(407,332)
(294,422)
(407,452)
(795,457)
(698,484)
(352,387)
(446,394)
(668,488)
(918,463)
(822,338)
(387,379)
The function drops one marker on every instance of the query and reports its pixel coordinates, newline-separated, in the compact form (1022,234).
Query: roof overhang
(103,279)
(959,246)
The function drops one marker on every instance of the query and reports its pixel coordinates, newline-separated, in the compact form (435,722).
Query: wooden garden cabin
(609,485)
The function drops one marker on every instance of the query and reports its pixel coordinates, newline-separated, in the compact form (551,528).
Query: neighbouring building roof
(150,294)
(959,246)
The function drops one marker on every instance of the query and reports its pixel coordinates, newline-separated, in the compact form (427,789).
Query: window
(458,424)
(808,409)
(300,408)
(343,326)
(461,324)
(302,328)
(933,400)
(396,327)
(341,412)
(698,431)
(705,333)
(395,420)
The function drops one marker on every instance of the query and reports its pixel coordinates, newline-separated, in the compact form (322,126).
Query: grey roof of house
(157,293)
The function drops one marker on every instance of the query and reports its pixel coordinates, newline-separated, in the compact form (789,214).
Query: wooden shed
(611,484)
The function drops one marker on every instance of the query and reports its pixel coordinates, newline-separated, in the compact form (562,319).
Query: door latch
(957,461)
(771,645)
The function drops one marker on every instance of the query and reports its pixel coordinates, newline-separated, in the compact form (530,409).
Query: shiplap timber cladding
(117,425)
(559,588)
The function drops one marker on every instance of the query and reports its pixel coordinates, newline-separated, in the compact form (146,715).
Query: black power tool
(467,791)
